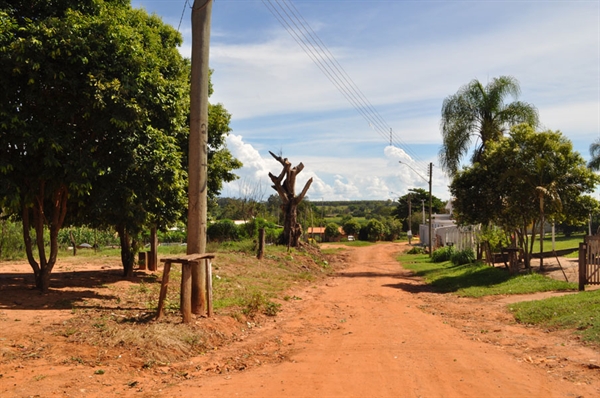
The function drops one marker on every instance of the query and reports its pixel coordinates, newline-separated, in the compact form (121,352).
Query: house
(313,232)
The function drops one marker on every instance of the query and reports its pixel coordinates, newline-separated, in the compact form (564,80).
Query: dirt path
(365,334)
(372,330)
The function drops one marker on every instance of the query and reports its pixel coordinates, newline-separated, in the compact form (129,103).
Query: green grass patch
(477,280)
(560,242)
(579,311)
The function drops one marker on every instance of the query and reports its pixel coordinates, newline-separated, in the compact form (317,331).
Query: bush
(223,230)
(331,231)
(417,250)
(351,227)
(443,254)
(12,246)
(495,236)
(465,256)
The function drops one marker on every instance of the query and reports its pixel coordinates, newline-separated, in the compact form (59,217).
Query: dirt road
(372,330)
(365,334)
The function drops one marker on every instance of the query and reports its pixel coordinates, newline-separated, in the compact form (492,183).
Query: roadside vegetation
(578,311)
(246,292)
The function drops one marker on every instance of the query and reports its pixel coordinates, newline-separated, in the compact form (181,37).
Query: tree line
(93,124)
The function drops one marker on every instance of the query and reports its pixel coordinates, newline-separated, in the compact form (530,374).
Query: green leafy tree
(520,181)
(577,213)
(417,195)
(332,231)
(63,106)
(375,230)
(480,111)
(93,118)
(351,227)
(393,229)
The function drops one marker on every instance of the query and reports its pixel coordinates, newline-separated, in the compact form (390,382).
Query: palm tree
(480,111)
(594,163)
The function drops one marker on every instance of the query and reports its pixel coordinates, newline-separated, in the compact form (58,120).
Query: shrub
(332,231)
(417,250)
(465,256)
(443,254)
(495,236)
(223,230)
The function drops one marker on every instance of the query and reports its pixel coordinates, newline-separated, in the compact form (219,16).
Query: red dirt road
(365,334)
(372,330)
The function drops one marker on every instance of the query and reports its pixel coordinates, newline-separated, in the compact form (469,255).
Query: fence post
(582,266)
(261,243)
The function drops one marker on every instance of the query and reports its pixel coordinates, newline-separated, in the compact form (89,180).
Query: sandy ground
(372,330)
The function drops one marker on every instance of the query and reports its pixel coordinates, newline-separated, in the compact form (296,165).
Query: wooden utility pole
(430,216)
(409,232)
(198,143)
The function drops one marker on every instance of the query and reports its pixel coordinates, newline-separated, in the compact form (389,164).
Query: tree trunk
(292,231)
(153,261)
(54,219)
(127,251)
(73,242)
(261,244)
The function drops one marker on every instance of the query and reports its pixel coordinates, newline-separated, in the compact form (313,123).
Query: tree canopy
(417,195)
(93,117)
(520,181)
(480,111)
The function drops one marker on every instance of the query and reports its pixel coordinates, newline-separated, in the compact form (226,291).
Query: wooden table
(202,262)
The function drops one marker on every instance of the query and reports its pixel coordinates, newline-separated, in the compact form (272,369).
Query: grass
(561,242)
(478,280)
(578,311)
(244,288)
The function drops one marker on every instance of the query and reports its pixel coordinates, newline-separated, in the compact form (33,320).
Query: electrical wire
(182,12)
(300,30)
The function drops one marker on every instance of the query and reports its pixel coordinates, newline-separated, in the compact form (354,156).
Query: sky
(400,59)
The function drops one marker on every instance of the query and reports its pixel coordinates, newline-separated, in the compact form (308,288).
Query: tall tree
(62,101)
(416,196)
(522,180)
(92,113)
(480,111)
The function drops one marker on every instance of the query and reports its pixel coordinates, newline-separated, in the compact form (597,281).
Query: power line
(182,12)
(297,26)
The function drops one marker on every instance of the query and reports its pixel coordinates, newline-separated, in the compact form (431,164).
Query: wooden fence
(589,261)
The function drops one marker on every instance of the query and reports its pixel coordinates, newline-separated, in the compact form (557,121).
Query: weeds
(258,303)
(417,250)
(244,288)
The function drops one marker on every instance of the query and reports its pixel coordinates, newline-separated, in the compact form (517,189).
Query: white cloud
(405,57)
(360,178)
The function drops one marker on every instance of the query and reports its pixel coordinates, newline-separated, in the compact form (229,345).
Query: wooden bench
(204,267)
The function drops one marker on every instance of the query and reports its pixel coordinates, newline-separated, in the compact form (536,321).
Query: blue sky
(405,57)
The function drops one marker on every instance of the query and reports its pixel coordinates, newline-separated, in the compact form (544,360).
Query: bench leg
(209,292)
(186,292)
(199,288)
(163,290)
